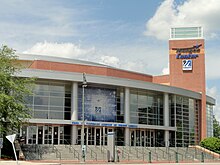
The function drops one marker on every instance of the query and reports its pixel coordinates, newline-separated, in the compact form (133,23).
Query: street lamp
(84,84)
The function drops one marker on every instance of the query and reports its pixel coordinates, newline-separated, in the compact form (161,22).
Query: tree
(13,91)
(216,128)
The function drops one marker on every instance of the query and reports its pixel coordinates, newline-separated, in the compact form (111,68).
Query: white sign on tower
(187,64)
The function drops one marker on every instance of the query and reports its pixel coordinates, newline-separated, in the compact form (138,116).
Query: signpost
(11,138)
(83,118)
(1,146)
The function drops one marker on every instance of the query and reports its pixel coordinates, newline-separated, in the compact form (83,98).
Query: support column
(74,111)
(166,117)
(127,136)
(127,115)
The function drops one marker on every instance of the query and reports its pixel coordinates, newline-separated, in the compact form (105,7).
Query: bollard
(83,155)
(149,158)
(202,157)
(118,153)
(177,160)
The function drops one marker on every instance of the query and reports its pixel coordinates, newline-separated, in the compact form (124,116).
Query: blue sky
(127,34)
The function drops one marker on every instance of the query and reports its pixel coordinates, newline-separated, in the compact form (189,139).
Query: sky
(128,34)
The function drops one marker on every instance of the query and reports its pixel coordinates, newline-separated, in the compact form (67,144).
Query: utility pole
(84,84)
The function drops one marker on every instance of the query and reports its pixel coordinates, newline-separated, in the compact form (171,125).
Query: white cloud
(137,66)
(212,63)
(189,13)
(110,60)
(67,50)
(213,92)
(165,71)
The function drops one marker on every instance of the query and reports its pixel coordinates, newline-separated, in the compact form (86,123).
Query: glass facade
(209,120)
(50,100)
(186,32)
(185,112)
(146,107)
(46,134)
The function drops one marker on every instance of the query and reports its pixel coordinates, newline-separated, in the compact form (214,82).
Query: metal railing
(58,153)
(93,154)
(72,150)
(204,154)
(124,153)
(132,149)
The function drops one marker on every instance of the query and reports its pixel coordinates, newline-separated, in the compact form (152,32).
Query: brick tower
(187,64)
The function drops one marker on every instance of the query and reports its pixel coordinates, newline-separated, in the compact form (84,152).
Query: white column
(74,111)
(74,101)
(127,136)
(73,134)
(127,115)
(127,105)
(166,117)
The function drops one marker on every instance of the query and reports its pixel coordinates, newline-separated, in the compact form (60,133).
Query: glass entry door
(150,138)
(48,134)
(98,136)
(55,135)
(40,134)
(94,135)
(142,137)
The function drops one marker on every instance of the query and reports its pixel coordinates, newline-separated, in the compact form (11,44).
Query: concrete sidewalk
(25,163)
(99,163)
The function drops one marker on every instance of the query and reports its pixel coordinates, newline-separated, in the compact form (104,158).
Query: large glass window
(209,120)
(184,111)
(50,100)
(146,107)
(186,32)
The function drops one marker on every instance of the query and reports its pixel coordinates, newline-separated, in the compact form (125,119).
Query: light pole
(84,84)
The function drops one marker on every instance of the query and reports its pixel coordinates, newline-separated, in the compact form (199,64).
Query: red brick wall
(96,70)
(192,80)
(163,79)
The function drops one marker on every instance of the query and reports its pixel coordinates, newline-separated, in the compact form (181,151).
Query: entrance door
(143,138)
(91,132)
(152,138)
(40,134)
(138,138)
(48,134)
(98,136)
(55,135)
(94,135)
(132,136)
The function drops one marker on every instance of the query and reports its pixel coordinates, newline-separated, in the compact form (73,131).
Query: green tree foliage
(216,128)
(212,144)
(13,91)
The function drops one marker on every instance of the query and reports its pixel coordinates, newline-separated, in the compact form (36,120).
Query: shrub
(212,144)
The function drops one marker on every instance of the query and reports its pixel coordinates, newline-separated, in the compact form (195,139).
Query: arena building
(142,110)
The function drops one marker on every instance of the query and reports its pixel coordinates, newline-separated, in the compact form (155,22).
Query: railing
(93,154)
(103,149)
(124,153)
(58,154)
(165,153)
(132,149)
(153,152)
(204,154)
(72,150)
